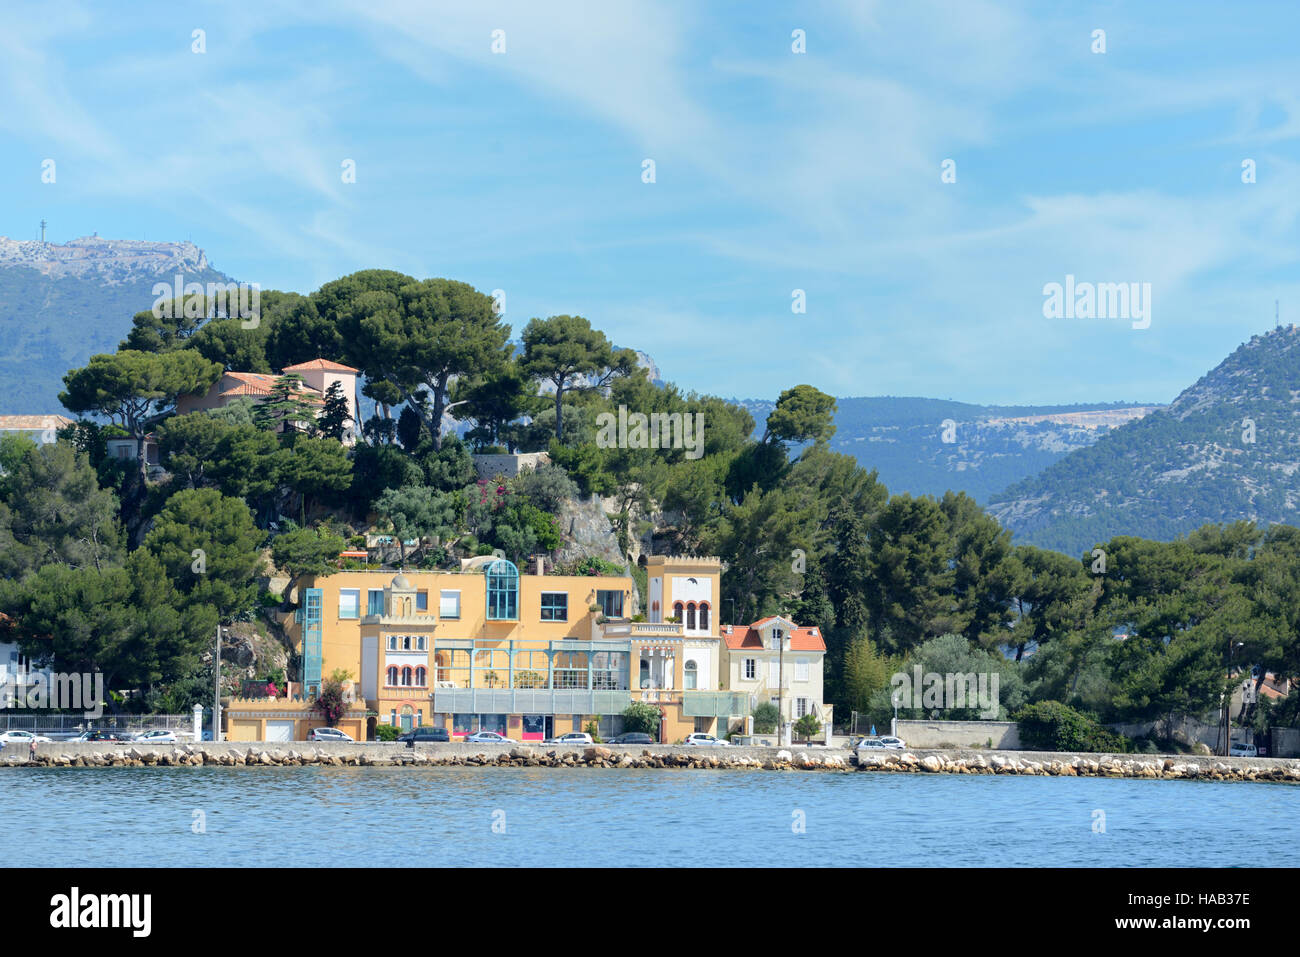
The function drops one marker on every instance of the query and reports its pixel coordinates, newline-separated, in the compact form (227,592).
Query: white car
(889,741)
(329,734)
(156,736)
(1239,750)
(705,740)
(24,737)
(573,737)
(488,737)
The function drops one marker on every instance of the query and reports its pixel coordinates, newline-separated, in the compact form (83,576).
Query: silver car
(156,736)
(488,737)
(705,740)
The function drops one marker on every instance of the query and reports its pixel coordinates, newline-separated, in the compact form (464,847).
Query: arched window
(692,675)
(406,676)
(704,616)
(502,591)
(679,611)
(392,675)
(690,617)
(421,677)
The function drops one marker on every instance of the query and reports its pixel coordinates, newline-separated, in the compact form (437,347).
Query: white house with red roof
(317,377)
(775,660)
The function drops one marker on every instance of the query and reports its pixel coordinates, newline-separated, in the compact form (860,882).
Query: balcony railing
(529,701)
(714,704)
(639,630)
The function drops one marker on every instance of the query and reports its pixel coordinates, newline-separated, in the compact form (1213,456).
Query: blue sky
(775,171)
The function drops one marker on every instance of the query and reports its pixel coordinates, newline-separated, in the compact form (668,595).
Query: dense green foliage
(642,718)
(892,582)
(1051,726)
(766,716)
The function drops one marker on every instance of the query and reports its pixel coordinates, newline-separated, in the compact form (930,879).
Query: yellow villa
(528,656)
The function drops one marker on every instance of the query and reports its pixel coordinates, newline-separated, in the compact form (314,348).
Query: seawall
(914,761)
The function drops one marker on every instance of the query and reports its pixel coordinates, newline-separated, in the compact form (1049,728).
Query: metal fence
(76,722)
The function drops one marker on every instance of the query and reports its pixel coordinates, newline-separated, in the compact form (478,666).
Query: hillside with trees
(108,564)
(1227,448)
(929,446)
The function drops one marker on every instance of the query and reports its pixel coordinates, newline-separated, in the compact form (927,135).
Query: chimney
(541,564)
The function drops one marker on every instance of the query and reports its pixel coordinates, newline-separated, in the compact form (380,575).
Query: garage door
(279,730)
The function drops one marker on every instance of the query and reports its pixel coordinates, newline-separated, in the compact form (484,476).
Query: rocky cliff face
(108,260)
(587,532)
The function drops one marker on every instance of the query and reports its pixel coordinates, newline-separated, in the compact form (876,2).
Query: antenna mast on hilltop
(42,230)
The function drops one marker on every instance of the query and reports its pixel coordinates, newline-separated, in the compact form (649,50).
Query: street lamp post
(780,686)
(1227,704)
(216,691)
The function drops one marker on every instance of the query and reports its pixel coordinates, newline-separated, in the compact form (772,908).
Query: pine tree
(336,415)
(286,409)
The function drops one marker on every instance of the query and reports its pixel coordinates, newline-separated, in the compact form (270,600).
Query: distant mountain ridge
(991,447)
(62,303)
(112,261)
(1227,448)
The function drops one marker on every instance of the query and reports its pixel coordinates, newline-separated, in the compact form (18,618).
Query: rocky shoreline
(1052,764)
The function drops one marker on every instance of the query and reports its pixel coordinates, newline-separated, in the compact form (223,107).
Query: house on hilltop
(317,377)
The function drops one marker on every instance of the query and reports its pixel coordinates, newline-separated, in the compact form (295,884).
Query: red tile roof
(739,637)
(247,388)
(324,364)
(255,383)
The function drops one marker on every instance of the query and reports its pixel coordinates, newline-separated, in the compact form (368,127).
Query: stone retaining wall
(960,734)
(232,754)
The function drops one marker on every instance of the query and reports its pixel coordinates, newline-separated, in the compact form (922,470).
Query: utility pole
(216,691)
(1227,705)
(780,687)
(42,231)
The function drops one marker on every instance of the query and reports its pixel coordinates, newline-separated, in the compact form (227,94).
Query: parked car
(106,734)
(329,734)
(573,737)
(1239,750)
(487,737)
(705,740)
(156,736)
(424,736)
(633,737)
(871,744)
(24,737)
(889,741)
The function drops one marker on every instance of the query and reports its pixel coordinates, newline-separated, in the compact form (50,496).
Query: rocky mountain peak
(108,260)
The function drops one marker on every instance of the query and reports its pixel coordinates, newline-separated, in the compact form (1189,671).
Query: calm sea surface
(605,817)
